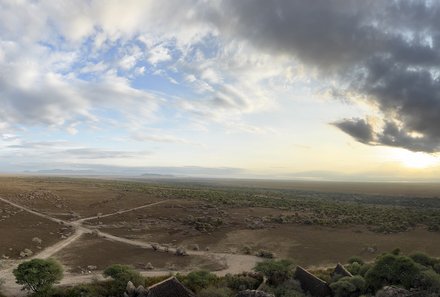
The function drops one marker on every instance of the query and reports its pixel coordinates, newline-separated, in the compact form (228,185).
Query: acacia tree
(38,275)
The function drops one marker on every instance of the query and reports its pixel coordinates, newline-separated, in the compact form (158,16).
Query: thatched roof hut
(340,270)
(171,287)
(312,284)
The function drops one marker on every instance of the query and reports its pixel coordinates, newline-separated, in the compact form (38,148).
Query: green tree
(276,271)
(423,259)
(198,280)
(121,275)
(430,281)
(241,282)
(390,269)
(38,275)
(215,292)
(348,286)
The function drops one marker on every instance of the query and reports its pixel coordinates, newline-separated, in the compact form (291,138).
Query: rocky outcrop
(253,293)
(392,291)
(132,291)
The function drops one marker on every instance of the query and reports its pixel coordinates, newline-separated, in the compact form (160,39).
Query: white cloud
(158,54)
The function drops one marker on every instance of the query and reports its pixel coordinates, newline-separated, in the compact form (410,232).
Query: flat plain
(142,222)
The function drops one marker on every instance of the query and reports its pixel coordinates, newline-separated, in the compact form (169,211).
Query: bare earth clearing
(88,224)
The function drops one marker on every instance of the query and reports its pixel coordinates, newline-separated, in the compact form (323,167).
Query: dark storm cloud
(388,51)
(358,129)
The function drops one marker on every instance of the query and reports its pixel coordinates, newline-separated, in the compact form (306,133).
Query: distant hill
(156,175)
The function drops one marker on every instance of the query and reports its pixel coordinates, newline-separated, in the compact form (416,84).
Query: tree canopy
(38,275)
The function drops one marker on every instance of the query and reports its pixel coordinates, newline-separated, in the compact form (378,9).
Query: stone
(131,289)
(26,253)
(253,293)
(149,266)
(391,291)
(37,240)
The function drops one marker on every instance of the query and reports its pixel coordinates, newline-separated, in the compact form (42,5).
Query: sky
(292,89)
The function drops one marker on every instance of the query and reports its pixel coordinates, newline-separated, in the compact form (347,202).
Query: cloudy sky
(331,89)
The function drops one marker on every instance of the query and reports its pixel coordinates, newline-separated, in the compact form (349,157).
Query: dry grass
(90,250)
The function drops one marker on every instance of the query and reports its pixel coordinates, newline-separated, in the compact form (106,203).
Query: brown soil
(18,228)
(90,250)
(165,223)
(70,197)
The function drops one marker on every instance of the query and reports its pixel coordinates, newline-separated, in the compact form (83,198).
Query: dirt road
(234,263)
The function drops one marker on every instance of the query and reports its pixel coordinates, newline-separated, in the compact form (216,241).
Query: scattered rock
(131,289)
(194,247)
(371,249)
(92,267)
(26,253)
(180,251)
(149,266)
(37,240)
(141,291)
(391,291)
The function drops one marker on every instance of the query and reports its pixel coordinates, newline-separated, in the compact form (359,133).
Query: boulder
(26,253)
(37,240)
(131,289)
(180,251)
(195,247)
(149,266)
(253,293)
(391,291)
(141,291)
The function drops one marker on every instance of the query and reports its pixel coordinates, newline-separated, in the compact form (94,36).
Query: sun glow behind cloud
(416,160)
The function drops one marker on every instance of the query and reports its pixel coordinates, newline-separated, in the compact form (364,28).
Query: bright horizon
(330,90)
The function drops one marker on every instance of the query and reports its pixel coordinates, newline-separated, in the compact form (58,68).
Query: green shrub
(198,280)
(422,259)
(276,271)
(429,280)
(215,292)
(354,268)
(391,269)
(290,288)
(348,286)
(355,259)
(364,269)
(265,254)
(121,275)
(241,282)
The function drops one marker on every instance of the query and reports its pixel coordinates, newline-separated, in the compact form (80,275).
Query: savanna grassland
(314,224)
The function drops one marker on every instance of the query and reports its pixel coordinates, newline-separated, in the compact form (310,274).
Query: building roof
(340,270)
(171,287)
(312,284)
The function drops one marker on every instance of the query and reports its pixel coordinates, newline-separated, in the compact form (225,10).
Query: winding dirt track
(235,263)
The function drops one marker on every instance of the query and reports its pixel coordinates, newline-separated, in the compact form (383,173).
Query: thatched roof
(312,284)
(171,287)
(340,270)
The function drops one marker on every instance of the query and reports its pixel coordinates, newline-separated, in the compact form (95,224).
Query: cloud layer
(155,68)
(386,52)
